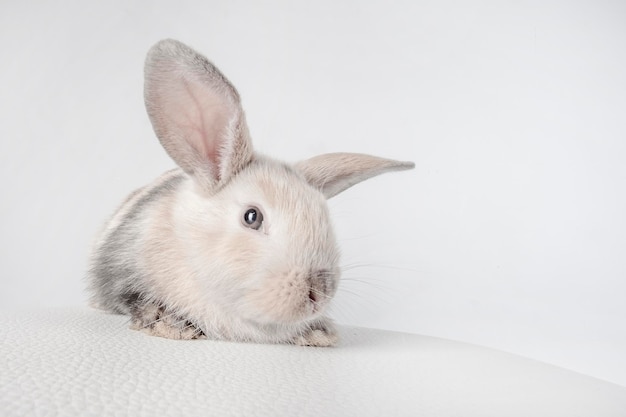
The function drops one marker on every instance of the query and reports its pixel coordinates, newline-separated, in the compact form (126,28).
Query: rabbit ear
(196,114)
(333,173)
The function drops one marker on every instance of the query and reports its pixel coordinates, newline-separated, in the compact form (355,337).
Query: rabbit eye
(253,218)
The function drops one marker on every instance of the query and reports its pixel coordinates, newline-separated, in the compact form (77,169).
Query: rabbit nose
(317,290)
(320,282)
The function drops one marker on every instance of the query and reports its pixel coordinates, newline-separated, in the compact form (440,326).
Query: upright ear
(196,114)
(333,173)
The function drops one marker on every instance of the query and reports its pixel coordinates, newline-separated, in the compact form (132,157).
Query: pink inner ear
(335,172)
(203,117)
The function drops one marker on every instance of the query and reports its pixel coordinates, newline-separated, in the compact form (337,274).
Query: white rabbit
(232,245)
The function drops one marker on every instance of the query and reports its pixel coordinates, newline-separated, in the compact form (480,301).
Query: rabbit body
(231,245)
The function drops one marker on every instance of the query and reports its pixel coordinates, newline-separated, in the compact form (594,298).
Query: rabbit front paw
(321,334)
(154,320)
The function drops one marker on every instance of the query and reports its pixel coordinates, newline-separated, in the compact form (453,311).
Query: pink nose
(321,284)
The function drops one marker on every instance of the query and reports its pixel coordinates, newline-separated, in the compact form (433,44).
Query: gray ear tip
(167,48)
(405,165)
(165,44)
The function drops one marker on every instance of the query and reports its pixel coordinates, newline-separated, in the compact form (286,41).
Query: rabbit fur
(179,255)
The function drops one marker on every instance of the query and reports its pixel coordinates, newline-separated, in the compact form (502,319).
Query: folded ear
(196,114)
(333,173)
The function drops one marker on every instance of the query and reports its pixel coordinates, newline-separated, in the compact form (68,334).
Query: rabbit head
(255,232)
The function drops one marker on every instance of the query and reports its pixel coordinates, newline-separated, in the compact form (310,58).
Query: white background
(511,231)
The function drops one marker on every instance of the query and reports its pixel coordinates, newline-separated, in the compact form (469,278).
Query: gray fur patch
(116,281)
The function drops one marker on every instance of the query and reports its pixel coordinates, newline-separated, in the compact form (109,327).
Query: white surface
(510,233)
(82,362)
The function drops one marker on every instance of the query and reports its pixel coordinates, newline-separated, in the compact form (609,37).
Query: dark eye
(253,218)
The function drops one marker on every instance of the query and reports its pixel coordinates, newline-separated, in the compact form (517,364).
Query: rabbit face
(281,269)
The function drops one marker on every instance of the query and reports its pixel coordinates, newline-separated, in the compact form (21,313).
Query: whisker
(349,267)
(382,293)
(367,280)
(344,290)
(320,293)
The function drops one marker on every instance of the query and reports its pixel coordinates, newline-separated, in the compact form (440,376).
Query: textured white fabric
(83,362)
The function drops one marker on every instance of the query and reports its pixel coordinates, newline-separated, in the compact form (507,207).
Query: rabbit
(231,245)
